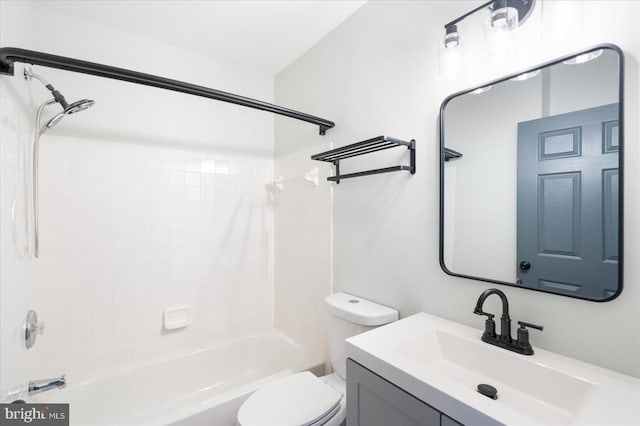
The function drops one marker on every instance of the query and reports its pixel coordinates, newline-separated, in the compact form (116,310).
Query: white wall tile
(302,249)
(111,261)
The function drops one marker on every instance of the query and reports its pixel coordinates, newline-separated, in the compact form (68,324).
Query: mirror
(531,178)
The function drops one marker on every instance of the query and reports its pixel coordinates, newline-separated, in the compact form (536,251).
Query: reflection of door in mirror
(567,203)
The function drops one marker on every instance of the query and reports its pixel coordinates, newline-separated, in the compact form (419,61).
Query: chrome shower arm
(29,74)
(57,96)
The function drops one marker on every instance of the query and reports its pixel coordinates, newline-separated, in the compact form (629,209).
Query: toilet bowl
(302,399)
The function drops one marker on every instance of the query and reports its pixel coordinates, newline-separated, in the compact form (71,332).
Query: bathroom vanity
(426,370)
(374,401)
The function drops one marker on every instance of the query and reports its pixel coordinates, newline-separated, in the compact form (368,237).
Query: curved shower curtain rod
(9,55)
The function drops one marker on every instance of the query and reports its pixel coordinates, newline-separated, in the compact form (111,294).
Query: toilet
(303,399)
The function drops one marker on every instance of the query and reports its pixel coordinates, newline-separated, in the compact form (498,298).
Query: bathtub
(205,387)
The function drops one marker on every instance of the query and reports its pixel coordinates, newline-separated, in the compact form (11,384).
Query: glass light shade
(505,18)
(481,90)
(451,40)
(451,36)
(585,57)
(525,76)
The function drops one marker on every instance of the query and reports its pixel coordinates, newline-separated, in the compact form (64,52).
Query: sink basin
(442,363)
(541,392)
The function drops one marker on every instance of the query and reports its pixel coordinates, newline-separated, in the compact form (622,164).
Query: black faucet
(521,345)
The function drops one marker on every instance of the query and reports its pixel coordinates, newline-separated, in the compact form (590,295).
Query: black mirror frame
(608,46)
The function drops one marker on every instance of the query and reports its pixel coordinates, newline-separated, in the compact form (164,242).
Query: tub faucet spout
(37,386)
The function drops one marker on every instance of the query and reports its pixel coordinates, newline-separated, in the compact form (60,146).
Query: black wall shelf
(450,154)
(365,147)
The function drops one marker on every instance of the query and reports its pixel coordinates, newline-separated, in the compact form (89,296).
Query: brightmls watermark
(34,414)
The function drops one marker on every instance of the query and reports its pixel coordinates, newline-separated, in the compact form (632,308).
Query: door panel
(567,216)
(610,187)
(559,214)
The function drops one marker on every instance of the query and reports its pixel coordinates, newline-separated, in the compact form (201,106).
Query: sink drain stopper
(488,390)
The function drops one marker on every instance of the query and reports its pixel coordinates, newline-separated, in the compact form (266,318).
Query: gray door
(567,218)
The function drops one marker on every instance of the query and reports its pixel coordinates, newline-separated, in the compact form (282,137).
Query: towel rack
(450,154)
(378,143)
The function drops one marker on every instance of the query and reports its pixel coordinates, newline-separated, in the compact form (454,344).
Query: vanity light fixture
(525,75)
(585,57)
(451,36)
(505,15)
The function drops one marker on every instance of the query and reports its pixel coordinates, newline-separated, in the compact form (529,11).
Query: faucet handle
(489,324)
(523,324)
(32,329)
(37,328)
(523,336)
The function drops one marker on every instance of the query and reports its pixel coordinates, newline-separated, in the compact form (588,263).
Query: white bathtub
(201,388)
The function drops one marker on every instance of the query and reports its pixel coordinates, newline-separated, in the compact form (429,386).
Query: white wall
(483,128)
(150,199)
(384,71)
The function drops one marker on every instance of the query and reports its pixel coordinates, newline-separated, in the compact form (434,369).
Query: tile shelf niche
(378,143)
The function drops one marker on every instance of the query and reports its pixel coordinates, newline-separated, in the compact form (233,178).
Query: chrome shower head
(52,122)
(59,98)
(70,109)
(79,106)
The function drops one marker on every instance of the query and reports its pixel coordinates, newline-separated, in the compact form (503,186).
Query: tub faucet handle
(37,328)
(32,329)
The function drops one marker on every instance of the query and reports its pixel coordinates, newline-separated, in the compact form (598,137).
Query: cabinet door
(373,401)
(448,421)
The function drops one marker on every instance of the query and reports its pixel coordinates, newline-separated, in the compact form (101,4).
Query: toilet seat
(300,399)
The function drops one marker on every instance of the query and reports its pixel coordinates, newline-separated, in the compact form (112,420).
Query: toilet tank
(347,316)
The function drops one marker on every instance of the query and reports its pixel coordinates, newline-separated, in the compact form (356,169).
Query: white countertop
(441,362)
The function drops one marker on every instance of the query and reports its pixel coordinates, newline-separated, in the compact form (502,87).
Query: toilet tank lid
(358,310)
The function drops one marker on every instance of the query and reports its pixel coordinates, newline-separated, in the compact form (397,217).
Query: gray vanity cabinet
(374,401)
(448,421)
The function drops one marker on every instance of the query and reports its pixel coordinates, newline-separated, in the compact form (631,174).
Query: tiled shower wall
(127,230)
(150,199)
(303,219)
